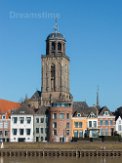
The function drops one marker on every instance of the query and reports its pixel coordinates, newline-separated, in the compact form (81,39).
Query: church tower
(55,70)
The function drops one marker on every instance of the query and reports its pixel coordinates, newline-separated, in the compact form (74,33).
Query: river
(62,160)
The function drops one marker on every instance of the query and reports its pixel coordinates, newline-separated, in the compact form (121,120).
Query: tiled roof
(7,106)
(103,109)
(23,109)
(83,108)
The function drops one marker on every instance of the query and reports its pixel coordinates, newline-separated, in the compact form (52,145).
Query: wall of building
(21,131)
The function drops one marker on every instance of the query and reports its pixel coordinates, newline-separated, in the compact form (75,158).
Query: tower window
(59,46)
(53,77)
(53,45)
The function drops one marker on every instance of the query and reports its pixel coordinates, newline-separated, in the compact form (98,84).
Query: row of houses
(59,123)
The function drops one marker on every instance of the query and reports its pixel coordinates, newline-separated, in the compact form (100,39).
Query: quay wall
(75,150)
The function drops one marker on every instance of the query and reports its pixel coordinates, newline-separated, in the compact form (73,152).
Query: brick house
(60,122)
(106,122)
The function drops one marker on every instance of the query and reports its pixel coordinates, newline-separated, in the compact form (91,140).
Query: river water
(62,160)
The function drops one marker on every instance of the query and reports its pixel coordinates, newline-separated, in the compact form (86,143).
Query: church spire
(56,25)
(97,97)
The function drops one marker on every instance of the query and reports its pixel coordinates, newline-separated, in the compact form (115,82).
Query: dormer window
(78,115)
(106,113)
(92,115)
(3,116)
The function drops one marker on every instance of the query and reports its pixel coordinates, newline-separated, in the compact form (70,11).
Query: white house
(118,126)
(92,125)
(21,129)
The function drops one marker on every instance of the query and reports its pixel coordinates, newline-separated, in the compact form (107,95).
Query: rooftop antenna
(56,25)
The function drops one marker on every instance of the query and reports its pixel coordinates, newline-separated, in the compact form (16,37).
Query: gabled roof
(103,109)
(83,109)
(36,95)
(23,110)
(7,106)
(118,112)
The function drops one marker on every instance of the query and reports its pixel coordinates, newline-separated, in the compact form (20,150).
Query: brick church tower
(55,70)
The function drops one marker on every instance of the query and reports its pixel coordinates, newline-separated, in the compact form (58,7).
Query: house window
(1,124)
(78,115)
(42,120)
(90,123)
(3,117)
(67,132)
(94,124)
(6,133)
(119,121)
(6,124)
(101,122)
(37,130)
(28,131)
(76,124)
(54,116)
(28,120)
(61,115)
(14,119)
(101,132)
(55,132)
(42,130)
(67,115)
(80,125)
(14,131)
(81,134)
(76,134)
(21,131)
(111,122)
(1,132)
(42,138)
(21,120)
(37,120)
(67,125)
(106,122)
(106,131)
(119,127)
(54,125)
(106,113)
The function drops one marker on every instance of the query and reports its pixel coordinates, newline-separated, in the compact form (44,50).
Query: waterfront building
(41,125)
(21,129)
(118,125)
(79,125)
(5,127)
(92,123)
(60,114)
(106,122)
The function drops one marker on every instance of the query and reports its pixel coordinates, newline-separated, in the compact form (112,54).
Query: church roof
(55,35)
(36,95)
